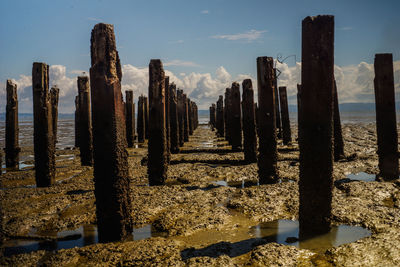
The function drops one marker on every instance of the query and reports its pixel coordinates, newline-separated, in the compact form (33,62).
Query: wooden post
(173,120)
(158,162)
(249,126)
(45,164)
(338,145)
(287,134)
(181,119)
(236,118)
(112,180)
(54,96)
(227,115)
(267,157)
(77,130)
(12,148)
(141,120)
(185,118)
(386,126)
(190,117)
(130,117)
(213,116)
(220,117)
(146,117)
(277,113)
(85,122)
(315,125)
(167,119)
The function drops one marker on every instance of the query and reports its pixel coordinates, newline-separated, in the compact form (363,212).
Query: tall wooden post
(267,157)
(146,117)
(85,122)
(338,145)
(141,120)
(220,117)
(181,117)
(249,125)
(130,117)
(12,148)
(158,161)
(315,125)
(277,112)
(173,120)
(167,119)
(236,115)
(213,116)
(190,116)
(77,130)
(185,118)
(54,96)
(386,126)
(287,134)
(44,146)
(111,169)
(227,115)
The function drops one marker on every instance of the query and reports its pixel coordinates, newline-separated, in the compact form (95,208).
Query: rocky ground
(203,216)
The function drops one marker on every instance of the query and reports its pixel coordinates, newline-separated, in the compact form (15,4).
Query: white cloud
(355,84)
(177,42)
(249,36)
(177,62)
(94,19)
(205,12)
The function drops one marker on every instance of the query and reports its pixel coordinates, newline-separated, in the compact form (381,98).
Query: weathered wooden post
(277,108)
(141,120)
(220,117)
(268,155)
(111,169)
(249,126)
(77,130)
(146,117)
(173,120)
(227,114)
(236,115)
(44,147)
(315,125)
(54,96)
(287,134)
(185,118)
(158,162)
(181,117)
(12,148)
(213,116)
(386,127)
(338,145)
(85,122)
(257,118)
(190,116)
(130,117)
(167,120)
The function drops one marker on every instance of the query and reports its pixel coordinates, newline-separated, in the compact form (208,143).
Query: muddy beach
(210,212)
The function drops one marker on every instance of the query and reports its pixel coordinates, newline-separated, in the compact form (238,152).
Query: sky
(204,45)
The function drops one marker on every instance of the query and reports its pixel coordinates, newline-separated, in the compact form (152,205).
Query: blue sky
(189,36)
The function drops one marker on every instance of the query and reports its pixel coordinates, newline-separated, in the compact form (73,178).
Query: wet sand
(203,216)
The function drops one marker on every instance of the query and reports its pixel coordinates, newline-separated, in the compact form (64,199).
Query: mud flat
(211,212)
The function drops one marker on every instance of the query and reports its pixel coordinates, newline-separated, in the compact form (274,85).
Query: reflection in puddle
(237,184)
(362,176)
(83,236)
(287,232)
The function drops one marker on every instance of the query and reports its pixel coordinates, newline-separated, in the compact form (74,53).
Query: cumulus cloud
(249,36)
(354,82)
(177,62)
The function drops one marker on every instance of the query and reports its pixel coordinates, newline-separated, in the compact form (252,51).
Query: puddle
(83,236)
(362,176)
(284,231)
(238,184)
(246,236)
